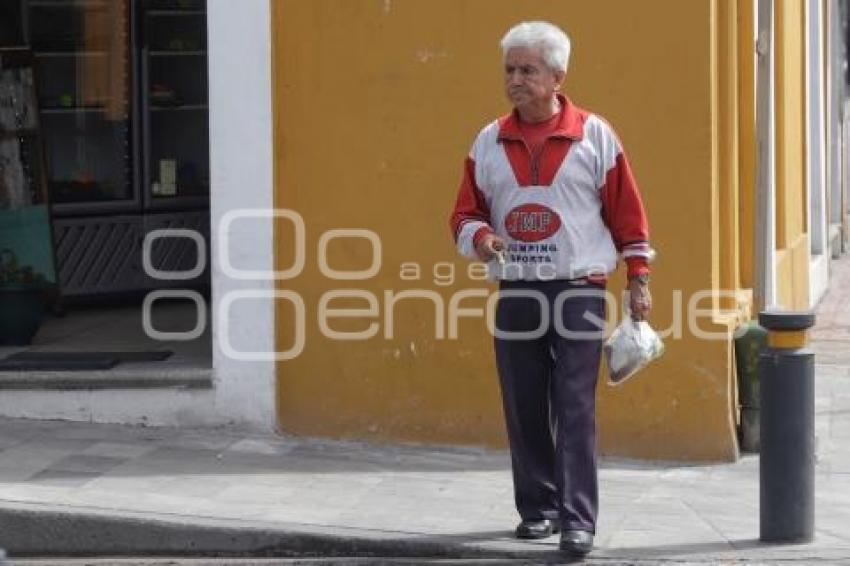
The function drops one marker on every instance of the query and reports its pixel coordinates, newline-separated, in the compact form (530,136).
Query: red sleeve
(470,205)
(623,212)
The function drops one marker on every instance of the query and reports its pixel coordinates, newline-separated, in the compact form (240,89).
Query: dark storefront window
(82,50)
(175,74)
(121,89)
(11,31)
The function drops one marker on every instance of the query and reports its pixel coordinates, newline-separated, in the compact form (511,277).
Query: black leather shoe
(576,543)
(537,529)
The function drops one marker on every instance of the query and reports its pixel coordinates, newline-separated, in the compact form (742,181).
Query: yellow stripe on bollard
(787,339)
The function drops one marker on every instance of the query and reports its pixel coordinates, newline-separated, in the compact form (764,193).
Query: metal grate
(99,255)
(178,254)
(104,254)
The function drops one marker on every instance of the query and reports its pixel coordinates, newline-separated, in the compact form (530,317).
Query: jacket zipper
(535,169)
(535,172)
(535,163)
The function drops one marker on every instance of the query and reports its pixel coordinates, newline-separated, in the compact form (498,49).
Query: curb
(35,530)
(28,529)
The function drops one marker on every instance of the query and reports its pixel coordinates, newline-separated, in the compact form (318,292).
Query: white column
(835,77)
(816,156)
(242,178)
(765,253)
(845,178)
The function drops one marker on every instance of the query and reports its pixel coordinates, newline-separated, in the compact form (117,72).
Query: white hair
(553,43)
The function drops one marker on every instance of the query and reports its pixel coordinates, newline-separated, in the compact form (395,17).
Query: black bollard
(787,461)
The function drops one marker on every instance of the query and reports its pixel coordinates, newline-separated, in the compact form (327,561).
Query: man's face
(528,80)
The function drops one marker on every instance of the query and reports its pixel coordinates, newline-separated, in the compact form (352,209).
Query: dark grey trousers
(549,395)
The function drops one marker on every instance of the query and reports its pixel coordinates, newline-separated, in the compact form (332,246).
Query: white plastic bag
(630,347)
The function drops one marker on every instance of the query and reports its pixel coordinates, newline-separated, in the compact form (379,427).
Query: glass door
(175,114)
(84,71)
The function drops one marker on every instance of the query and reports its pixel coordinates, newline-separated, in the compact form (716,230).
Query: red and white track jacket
(565,213)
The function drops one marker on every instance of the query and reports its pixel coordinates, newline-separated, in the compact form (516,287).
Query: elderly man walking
(549,201)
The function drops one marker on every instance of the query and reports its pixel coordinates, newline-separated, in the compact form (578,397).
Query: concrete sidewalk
(86,489)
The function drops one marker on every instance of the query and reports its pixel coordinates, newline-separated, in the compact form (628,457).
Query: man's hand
(640,299)
(489,246)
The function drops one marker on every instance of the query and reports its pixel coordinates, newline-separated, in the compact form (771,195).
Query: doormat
(77,361)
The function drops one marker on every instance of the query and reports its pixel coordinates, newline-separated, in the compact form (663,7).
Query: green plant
(13,273)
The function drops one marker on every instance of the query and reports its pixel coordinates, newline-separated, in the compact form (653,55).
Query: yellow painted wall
(376,105)
(746,139)
(792,274)
(792,242)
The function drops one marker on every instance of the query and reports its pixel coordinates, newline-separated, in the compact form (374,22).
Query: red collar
(570,126)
